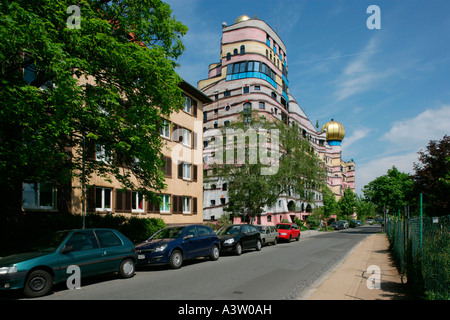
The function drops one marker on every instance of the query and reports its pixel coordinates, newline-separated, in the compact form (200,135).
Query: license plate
(141,256)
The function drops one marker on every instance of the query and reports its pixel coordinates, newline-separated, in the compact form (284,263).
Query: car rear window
(108,238)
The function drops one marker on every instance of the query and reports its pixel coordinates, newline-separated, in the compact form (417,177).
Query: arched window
(228,56)
(235,51)
(242,49)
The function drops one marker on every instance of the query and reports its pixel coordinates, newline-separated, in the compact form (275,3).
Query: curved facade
(252,75)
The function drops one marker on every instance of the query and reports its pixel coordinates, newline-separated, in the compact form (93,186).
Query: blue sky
(389,87)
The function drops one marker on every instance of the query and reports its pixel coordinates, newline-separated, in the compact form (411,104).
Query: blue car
(173,245)
(51,260)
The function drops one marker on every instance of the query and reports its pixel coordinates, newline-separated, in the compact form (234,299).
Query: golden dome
(334,130)
(242,18)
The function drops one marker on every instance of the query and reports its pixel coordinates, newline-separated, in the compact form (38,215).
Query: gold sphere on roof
(334,130)
(242,18)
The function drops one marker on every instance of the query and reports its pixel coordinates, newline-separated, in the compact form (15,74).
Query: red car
(288,231)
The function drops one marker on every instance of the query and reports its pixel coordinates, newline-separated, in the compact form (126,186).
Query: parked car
(288,231)
(337,226)
(94,251)
(238,237)
(359,223)
(369,221)
(269,234)
(344,223)
(173,245)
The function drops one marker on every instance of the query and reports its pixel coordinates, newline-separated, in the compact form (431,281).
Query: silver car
(269,234)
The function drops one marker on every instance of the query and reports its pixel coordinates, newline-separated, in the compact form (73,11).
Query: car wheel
(238,249)
(258,245)
(126,268)
(275,241)
(214,255)
(38,283)
(298,238)
(176,259)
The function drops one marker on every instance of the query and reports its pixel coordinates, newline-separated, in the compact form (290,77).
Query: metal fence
(422,247)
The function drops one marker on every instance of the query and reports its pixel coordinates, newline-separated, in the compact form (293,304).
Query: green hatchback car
(53,259)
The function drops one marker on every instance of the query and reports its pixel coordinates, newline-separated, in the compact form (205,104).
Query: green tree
(391,191)
(252,185)
(432,177)
(126,49)
(330,205)
(347,203)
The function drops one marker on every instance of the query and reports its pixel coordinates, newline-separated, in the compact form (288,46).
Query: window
(108,238)
(137,202)
(101,154)
(212,203)
(103,199)
(224,187)
(186,171)
(247,112)
(246,89)
(164,130)
(235,51)
(242,49)
(187,103)
(257,88)
(82,240)
(228,56)
(227,93)
(262,105)
(165,203)
(186,204)
(204,231)
(39,196)
(222,201)
(186,137)
(227,108)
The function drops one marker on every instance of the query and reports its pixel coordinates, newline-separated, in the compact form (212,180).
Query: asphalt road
(281,272)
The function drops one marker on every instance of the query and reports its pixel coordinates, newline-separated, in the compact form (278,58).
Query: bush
(140,229)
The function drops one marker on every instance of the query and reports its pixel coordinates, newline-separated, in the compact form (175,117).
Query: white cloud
(432,124)
(356,135)
(407,137)
(379,166)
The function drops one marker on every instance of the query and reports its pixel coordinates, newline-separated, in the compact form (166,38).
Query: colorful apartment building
(252,76)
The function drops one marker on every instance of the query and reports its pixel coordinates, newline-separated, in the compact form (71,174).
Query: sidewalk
(352,280)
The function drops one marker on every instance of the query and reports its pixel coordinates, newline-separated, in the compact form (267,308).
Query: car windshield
(283,226)
(229,230)
(168,233)
(49,242)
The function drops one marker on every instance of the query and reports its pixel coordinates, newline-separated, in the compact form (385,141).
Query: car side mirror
(66,249)
(189,236)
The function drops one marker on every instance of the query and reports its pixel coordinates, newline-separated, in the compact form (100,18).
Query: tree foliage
(432,177)
(110,80)
(347,203)
(295,169)
(391,191)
